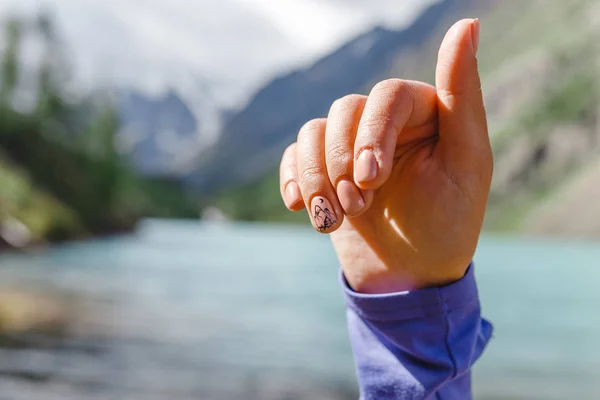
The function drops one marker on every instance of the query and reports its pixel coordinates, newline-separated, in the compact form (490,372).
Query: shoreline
(38,245)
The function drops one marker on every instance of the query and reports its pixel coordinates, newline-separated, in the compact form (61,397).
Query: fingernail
(366,167)
(292,194)
(475,34)
(350,198)
(322,214)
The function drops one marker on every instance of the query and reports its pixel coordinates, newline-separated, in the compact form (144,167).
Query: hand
(400,177)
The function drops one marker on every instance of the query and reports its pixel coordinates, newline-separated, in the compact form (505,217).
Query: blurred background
(146,253)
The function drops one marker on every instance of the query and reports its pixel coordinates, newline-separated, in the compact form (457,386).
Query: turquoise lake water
(246,311)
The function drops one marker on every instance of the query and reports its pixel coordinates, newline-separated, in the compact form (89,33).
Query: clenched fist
(400,178)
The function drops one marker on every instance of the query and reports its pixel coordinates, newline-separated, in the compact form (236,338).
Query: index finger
(393,106)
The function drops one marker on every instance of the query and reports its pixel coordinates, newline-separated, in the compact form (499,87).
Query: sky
(220,49)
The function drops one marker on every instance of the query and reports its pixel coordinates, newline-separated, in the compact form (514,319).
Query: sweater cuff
(412,304)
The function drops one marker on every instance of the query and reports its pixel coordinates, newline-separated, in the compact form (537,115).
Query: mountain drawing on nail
(324,218)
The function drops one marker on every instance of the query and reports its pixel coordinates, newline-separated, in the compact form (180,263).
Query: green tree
(10,61)
(67,149)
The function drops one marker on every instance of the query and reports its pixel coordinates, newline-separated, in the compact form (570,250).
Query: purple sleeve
(417,345)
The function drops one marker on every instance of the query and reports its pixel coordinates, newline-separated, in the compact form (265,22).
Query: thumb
(462,120)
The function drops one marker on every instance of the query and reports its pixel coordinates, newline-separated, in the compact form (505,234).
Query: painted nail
(292,194)
(366,167)
(322,213)
(475,34)
(350,197)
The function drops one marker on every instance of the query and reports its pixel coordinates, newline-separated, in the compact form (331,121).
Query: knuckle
(312,127)
(392,87)
(373,127)
(289,151)
(338,154)
(311,173)
(376,122)
(393,99)
(449,96)
(347,103)
(469,88)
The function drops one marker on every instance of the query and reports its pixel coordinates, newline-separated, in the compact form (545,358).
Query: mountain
(158,134)
(539,67)
(253,139)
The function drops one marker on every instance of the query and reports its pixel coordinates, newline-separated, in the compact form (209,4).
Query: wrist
(377,280)
(381,282)
(385,268)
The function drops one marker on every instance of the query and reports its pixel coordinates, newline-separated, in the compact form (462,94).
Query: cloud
(324,24)
(228,47)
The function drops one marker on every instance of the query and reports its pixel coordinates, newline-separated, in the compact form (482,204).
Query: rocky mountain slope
(157,134)
(543,105)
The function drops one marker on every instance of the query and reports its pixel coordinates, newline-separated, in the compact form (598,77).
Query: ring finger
(322,204)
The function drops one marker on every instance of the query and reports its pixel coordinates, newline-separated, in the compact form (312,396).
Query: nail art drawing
(323,217)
